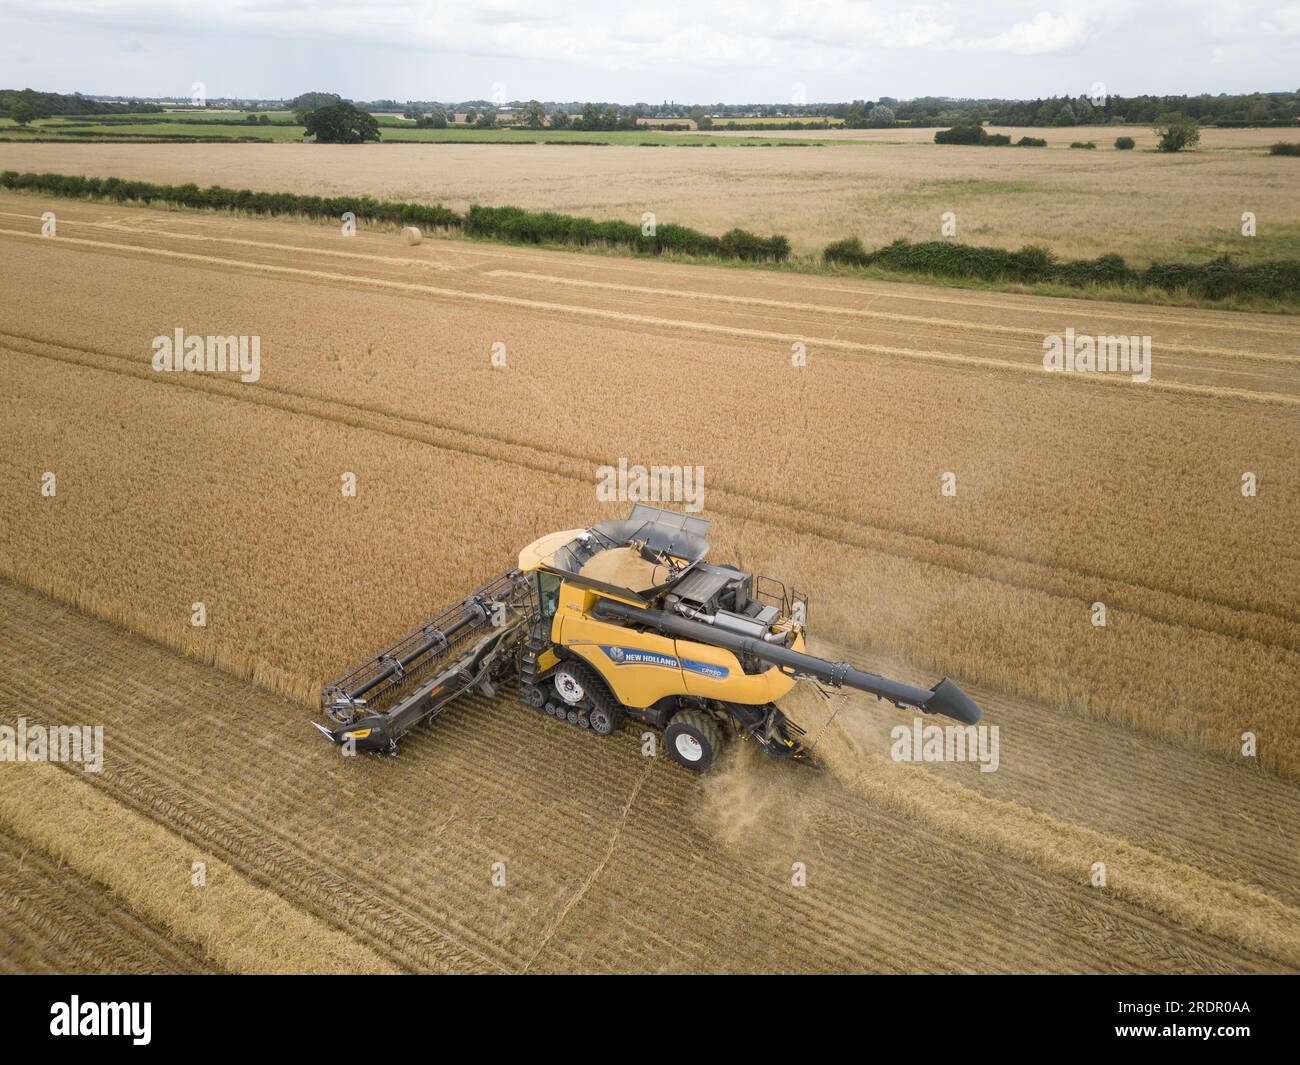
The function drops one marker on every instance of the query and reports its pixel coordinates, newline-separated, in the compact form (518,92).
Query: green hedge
(546,227)
(950,259)
(1285,148)
(961,135)
(1245,123)
(1125,144)
(501,223)
(848,251)
(1031,142)
(972,134)
(1216,279)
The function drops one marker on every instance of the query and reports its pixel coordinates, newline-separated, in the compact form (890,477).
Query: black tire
(604,719)
(604,713)
(532,695)
(693,740)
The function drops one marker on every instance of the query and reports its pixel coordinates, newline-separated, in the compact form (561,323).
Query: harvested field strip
(321,882)
(879,878)
(1231,822)
(56,921)
(1189,897)
(575,839)
(242,927)
(299,772)
(854,312)
(481,719)
(373,898)
(1186,896)
(828,344)
(599,868)
(1148,600)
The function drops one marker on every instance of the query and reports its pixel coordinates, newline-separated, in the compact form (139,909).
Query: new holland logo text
(631,656)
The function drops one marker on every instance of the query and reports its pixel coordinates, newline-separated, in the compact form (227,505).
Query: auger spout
(944,698)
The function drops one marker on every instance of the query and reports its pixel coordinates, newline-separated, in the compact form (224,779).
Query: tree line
(26,105)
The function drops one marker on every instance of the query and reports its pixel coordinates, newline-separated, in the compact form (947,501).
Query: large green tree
(1176,132)
(309,101)
(341,123)
(534,115)
(881,117)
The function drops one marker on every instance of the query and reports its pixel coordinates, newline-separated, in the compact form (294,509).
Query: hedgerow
(1216,279)
(500,223)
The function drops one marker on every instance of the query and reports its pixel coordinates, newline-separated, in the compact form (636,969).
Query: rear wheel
(693,740)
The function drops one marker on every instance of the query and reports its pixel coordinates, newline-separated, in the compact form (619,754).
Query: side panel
(715,673)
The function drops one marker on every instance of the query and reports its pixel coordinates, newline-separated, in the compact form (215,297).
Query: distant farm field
(878,185)
(233,126)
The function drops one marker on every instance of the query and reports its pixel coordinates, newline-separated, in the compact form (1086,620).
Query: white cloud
(796,33)
(1046,32)
(1249,18)
(838,48)
(1283,20)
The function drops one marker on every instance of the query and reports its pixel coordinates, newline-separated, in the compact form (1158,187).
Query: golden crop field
(1122,742)
(880,186)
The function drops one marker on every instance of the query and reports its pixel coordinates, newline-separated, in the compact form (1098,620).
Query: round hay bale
(411,234)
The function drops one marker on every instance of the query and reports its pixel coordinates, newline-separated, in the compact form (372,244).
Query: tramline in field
(624,619)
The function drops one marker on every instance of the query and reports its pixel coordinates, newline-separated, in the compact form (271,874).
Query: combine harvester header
(624,619)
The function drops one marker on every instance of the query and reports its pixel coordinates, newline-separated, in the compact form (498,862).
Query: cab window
(548,590)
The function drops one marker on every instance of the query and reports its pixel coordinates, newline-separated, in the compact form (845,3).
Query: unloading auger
(621,620)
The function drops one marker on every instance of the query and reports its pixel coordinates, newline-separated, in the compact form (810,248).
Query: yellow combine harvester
(624,619)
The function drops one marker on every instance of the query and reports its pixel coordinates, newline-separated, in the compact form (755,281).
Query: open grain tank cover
(623,567)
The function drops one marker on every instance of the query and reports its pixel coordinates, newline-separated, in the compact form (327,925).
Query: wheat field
(829,476)
(1123,742)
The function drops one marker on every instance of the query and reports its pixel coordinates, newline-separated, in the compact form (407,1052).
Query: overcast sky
(733,51)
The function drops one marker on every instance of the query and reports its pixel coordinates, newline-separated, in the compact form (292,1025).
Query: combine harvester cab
(621,620)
